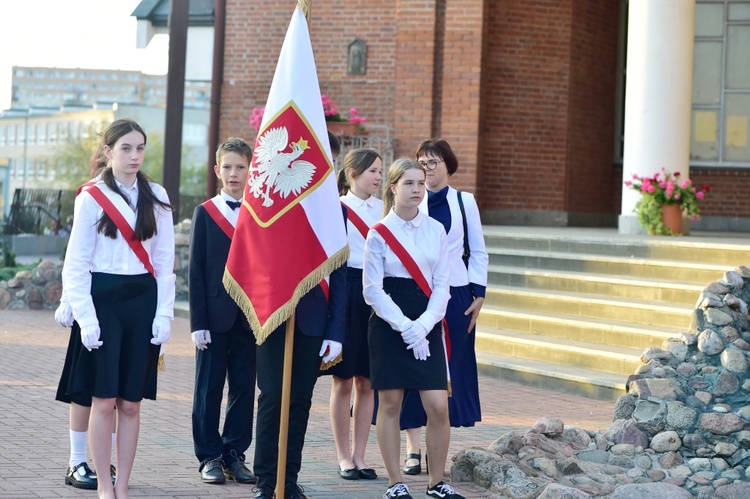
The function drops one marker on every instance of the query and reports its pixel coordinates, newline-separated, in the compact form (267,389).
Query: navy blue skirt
(355,354)
(125,365)
(392,366)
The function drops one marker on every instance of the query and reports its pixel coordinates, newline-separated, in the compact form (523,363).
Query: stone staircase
(573,309)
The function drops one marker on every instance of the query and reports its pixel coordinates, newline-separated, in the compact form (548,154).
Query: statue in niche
(357,58)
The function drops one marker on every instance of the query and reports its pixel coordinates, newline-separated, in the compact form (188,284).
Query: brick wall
(523,91)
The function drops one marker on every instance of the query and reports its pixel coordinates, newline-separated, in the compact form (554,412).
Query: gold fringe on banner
(327,365)
(262,331)
(161,366)
(306,7)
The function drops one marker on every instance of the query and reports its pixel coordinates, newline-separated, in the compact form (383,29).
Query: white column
(658,94)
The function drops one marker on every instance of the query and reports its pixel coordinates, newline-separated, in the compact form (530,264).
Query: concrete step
(725,249)
(668,270)
(589,330)
(580,354)
(596,284)
(589,305)
(559,377)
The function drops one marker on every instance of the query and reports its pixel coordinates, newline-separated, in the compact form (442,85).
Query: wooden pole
(286,388)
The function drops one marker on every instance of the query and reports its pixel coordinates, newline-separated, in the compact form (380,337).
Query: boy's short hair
(234,144)
(335,145)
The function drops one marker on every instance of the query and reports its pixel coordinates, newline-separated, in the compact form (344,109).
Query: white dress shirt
(421,235)
(370,210)
(90,251)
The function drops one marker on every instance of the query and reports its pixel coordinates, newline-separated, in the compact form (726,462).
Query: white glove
(201,338)
(333,348)
(64,314)
(414,334)
(160,329)
(90,337)
(422,350)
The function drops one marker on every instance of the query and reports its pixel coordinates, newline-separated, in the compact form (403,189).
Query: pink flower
(699,195)
(650,188)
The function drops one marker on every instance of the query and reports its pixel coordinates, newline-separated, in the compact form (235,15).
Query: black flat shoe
(81,477)
(263,493)
(417,468)
(238,472)
(211,471)
(367,474)
(350,474)
(113,472)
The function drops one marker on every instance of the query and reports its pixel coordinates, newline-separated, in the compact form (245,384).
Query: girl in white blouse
(359,181)
(406,282)
(121,291)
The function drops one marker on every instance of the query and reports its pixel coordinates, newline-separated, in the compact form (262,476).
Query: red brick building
(529,94)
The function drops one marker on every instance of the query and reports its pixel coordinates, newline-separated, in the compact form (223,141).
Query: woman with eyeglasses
(459,214)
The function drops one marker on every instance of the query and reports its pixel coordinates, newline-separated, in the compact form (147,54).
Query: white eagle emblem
(279,171)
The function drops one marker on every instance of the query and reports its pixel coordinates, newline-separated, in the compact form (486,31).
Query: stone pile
(41,287)
(682,430)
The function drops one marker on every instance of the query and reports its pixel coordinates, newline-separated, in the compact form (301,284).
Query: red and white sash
(420,273)
(356,220)
(122,224)
(221,214)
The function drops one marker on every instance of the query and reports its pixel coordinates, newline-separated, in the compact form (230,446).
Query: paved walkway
(34,428)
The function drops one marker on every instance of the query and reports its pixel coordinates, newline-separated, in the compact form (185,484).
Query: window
(720,129)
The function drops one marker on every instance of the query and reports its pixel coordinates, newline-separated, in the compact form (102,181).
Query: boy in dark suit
(225,345)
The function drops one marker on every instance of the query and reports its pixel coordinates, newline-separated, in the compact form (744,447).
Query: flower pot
(342,128)
(671,217)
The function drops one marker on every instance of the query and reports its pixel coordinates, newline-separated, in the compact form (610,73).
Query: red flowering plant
(329,110)
(665,188)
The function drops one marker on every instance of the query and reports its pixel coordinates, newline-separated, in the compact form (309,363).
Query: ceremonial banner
(290,233)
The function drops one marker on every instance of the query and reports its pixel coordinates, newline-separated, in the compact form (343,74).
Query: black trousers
(230,356)
(305,368)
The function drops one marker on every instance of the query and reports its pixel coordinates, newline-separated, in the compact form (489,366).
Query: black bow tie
(234,204)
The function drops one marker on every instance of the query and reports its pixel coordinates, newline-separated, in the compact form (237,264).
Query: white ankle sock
(78,441)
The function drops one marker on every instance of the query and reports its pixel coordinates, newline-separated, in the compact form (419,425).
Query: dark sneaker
(397,490)
(442,490)
(211,471)
(113,472)
(81,477)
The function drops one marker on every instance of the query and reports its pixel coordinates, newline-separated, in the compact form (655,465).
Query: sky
(95,34)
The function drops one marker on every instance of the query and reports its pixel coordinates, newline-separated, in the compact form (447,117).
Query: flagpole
(286,388)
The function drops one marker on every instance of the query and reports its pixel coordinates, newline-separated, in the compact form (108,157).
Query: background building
(530,94)
(55,87)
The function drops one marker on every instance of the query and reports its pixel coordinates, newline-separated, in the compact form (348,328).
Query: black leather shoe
(113,472)
(211,471)
(238,472)
(81,477)
(350,474)
(294,491)
(263,493)
(367,474)
(417,468)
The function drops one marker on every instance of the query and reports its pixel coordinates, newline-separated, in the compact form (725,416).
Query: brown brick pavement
(34,428)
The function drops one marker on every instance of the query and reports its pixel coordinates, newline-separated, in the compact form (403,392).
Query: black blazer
(211,307)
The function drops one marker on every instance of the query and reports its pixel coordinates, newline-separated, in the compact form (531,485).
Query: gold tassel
(161,366)
(328,365)
(306,8)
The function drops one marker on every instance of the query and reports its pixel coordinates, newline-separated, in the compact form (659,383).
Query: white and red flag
(290,232)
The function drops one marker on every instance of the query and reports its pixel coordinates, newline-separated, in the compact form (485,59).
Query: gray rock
(680,416)
(721,424)
(669,460)
(734,360)
(557,491)
(575,436)
(625,432)
(699,464)
(729,334)
(709,341)
(737,490)
(624,406)
(643,462)
(718,317)
(650,490)
(549,426)
(725,449)
(649,416)
(666,441)
(593,456)
(726,383)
